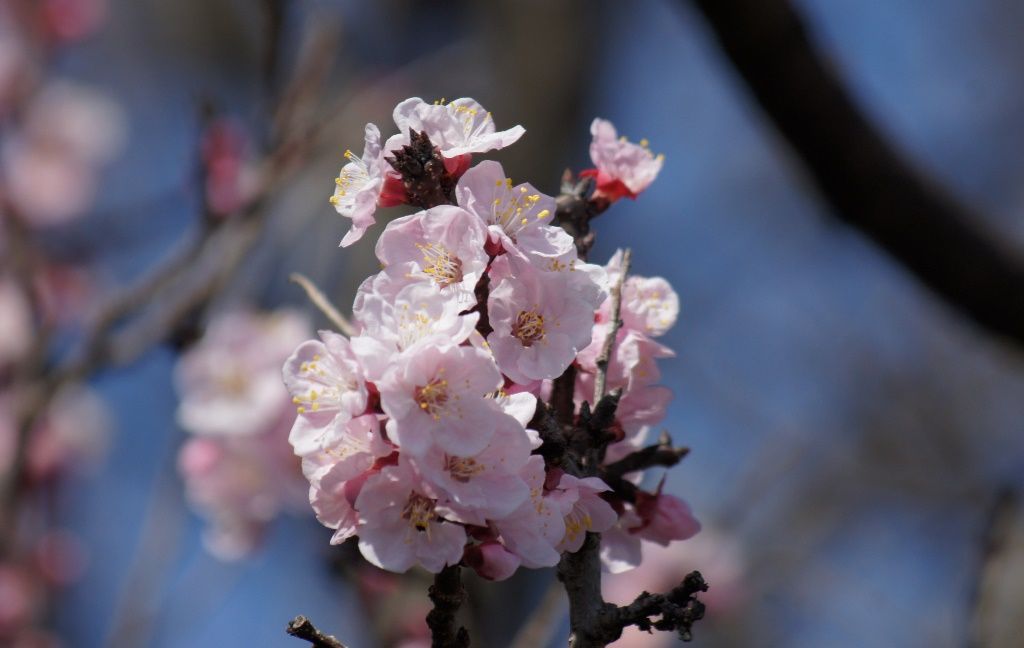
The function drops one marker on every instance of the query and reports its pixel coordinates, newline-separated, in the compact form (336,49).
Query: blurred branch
(302,628)
(996,619)
(191,285)
(863,178)
(320,300)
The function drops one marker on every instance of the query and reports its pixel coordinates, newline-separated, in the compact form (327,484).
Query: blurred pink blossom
(16,328)
(51,165)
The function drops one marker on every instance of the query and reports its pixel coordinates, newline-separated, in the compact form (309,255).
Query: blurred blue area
(794,340)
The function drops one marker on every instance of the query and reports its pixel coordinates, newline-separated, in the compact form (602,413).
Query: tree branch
(616,324)
(863,178)
(447,594)
(302,628)
(662,453)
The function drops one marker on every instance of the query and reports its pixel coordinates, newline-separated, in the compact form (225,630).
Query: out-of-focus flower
(238,469)
(624,169)
(72,434)
(69,20)
(230,175)
(230,382)
(51,164)
(239,485)
(60,557)
(15,322)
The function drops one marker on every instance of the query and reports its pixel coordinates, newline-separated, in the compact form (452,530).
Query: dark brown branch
(302,628)
(677,610)
(864,179)
(447,594)
(662,453)
(580,573)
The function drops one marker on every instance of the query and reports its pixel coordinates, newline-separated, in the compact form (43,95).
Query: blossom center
(433,397)
(576,523)
(462,469)
(353,176)
(528,327)
(443,266)
(511,207)
(419,511)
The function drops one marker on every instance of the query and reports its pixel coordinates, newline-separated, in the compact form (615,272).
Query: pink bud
(491,560)
(665,518)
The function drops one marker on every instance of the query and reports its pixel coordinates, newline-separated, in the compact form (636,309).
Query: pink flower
(444,244)
(326,383)
(664,518)
(358,187)
(346,451)
(51,164)
(533,530)
(518,217)
(588,511)
(457,128)
(649,304)
(621,551)
(333,500)
(401,524)
(230,382)
(623,169)
(492,560)
(438,395)
(239,485)
(486,484)
(539,322)
(20,595)
(397,316)
(230,179)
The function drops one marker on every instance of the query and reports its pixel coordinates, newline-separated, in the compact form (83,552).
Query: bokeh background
(850,433)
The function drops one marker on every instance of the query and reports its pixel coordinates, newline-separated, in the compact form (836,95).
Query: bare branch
(302,628)
(616,324)
(447,594)
(320,301)
(864,179)
(662,453)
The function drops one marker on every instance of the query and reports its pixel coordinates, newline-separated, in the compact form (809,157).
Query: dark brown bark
(865,181)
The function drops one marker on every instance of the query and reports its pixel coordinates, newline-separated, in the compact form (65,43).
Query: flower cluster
(416,433)
(236,466)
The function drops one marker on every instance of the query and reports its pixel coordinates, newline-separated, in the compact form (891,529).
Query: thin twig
(662,453)
(302,628)
(323,303)
(616,324)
